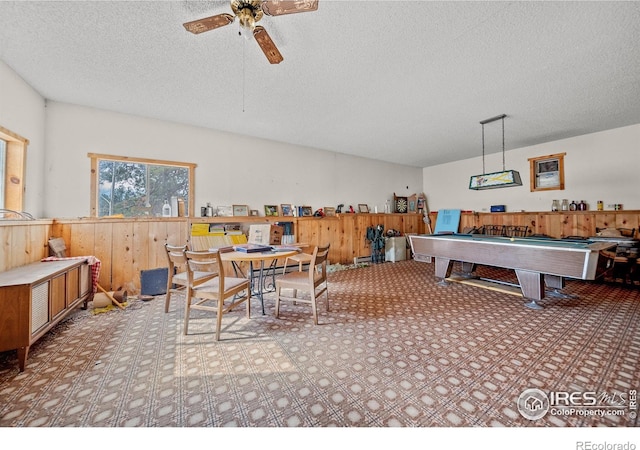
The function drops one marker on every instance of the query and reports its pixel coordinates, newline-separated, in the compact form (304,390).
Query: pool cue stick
(427,219)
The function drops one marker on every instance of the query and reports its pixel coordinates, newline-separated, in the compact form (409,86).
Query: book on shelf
(238,238)
(222,249)
(252,248)
(285,248)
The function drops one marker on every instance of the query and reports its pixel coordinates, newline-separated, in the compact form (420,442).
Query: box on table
(265,234)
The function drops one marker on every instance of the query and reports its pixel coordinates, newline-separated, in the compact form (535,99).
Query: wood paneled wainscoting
(125,247)
(345,232)
(555,224)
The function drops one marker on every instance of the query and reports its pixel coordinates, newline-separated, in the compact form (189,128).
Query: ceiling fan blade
(266,44)
(281,7)
(208,23)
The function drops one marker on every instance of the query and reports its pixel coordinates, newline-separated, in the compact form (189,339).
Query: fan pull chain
(243,71)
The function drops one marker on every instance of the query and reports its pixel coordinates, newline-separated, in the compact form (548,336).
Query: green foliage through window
(136,189)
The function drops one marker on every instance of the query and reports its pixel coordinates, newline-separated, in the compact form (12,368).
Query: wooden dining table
(262,268)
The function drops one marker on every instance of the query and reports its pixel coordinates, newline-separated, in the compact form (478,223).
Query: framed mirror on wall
(547,172)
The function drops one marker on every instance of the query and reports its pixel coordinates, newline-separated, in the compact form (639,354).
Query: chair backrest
(176,256)
(319,261)
(204,261)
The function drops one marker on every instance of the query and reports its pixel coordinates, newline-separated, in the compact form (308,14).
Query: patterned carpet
(395,350)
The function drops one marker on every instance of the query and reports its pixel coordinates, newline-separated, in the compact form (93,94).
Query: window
(13,151)
(135,187)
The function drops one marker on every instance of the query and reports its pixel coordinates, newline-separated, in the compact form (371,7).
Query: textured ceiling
(399,81)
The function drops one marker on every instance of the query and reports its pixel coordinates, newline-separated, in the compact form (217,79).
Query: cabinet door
(39,306)
(73,286)
(58,294)
(86,282)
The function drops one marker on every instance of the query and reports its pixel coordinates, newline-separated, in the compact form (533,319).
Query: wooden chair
(313,281)
(301,258)
(216,290)
(177,260)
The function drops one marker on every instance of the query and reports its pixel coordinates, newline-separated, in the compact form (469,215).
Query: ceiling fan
(249,12)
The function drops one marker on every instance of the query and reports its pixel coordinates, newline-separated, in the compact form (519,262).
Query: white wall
(22,111)
(231,169)
(600,166)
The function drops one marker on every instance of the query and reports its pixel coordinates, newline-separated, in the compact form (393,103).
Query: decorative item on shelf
(225,211)
(412,200)
(555,205)
(600,205)
(174,206)
(387,209)
(351,210)
(209,210)
(400,204)
(329,211)
(422,201)
(240,210)
(506,178)
(286,209)
(565,204)
(339,208)
(582,206)
(271,210)
(318,213)
(166,209)
(573,206)
(363,208)
(253,212)
(307,211)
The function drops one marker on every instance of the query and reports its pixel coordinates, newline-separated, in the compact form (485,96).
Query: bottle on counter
(573,206)
(209,210)
(166,209)
(582,206)
(555,205)
(600,205)
(565,204)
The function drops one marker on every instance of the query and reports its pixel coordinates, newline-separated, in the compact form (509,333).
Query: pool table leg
(532,285)
(443,270)
(556,284)
(468,269)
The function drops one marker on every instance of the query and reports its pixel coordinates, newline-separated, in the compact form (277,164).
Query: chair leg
(326,292)
(168,296)
(277,301)
(187,310)
(314,308)
(248,300)
(219,318)
(167,300)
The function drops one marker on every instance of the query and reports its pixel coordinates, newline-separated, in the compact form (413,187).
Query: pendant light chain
(483,169)
(503,144)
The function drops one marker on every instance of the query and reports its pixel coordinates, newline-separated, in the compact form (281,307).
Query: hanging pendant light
(506,178)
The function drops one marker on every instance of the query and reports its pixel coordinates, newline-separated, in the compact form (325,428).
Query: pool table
(536,262)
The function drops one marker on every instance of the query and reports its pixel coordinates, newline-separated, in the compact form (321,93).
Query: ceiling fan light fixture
(247,23)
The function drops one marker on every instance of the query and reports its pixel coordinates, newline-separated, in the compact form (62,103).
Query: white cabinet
(396,249)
